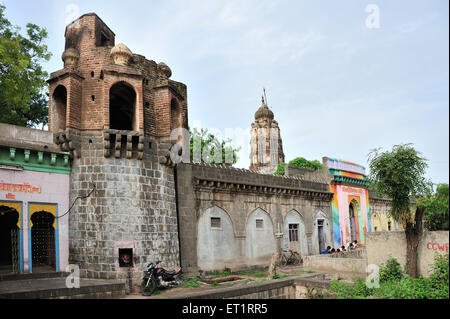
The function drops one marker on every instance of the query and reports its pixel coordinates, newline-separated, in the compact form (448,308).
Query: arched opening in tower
(59,99)
(175,115)
(122,102)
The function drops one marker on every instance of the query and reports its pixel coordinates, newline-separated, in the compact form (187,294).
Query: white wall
(216,247)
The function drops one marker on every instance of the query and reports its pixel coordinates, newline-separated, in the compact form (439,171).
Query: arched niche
(260,241)
(216,245)
(122,107)
(59,108)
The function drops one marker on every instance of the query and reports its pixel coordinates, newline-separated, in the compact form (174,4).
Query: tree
(299,162)
(22,80)
(437,208)
(399,174)
(204,147)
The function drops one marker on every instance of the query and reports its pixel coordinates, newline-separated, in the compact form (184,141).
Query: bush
(280,169)
(396,285)
(405,288)
(299,162)
(357,290)
(439,277)
(391,270)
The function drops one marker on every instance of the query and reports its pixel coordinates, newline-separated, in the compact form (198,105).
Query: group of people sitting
(350,245)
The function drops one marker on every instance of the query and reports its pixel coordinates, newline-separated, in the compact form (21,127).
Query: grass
(223,273)
(191,283)
(260,272)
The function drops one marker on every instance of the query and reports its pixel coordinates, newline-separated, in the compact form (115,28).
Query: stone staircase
(52,285)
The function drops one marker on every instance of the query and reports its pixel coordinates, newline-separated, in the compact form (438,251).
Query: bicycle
(292,259)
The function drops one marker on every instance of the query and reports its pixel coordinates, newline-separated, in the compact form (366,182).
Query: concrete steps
(53,286)
(53,274)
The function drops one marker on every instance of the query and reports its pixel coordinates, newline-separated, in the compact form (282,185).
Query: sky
(342,77)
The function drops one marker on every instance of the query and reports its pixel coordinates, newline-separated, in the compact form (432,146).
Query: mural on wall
(350,206)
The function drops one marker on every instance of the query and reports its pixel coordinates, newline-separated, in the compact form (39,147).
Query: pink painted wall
(53,189)
(344,195)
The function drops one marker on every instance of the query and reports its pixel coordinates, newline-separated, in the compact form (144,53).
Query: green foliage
(395,285)
(280,169)
(255,272)
(209,144)
(191,283)
(439,280)
(405,288)
(22,79)
(355,290)
(299,162)
(399,174)
(436,208)
(302,162)
(390,271)
(223,273)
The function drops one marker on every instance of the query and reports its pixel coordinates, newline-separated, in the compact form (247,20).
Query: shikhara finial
(264,96)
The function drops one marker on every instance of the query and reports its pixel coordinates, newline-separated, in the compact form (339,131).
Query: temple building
(266,147)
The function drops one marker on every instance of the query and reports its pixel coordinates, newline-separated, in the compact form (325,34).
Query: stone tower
(266,148)
(114,110)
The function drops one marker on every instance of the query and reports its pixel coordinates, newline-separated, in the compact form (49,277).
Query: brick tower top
(104,86)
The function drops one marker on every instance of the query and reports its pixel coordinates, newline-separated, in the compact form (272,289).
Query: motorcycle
(157,277)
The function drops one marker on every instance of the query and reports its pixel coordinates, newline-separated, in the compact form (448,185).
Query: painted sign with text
(20,188)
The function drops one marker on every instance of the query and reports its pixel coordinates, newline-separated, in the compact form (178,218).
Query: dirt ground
(286,270)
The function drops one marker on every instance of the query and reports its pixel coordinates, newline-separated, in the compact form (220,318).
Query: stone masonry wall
(133,207)
(234,195)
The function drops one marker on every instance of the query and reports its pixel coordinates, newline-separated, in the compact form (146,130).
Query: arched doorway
(43,243)
(122,102)
(352,217)
(9,238)
(59,101)
(294,233)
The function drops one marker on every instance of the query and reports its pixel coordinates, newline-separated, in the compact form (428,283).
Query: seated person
(332,251)
(355,244)
(326,250)
(343,248)
(347,247)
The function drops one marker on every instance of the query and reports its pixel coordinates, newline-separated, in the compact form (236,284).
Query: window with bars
(215,222)
(293,232)
(259,224)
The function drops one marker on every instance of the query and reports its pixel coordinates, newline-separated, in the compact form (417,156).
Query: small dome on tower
(164,70)
(70,56)
(121,54)
(264,112)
